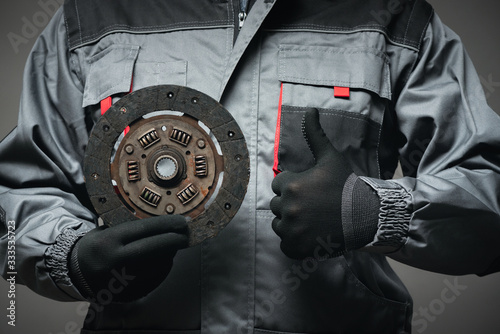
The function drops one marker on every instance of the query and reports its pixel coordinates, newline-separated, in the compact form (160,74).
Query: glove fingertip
(276,184)
(178,223)
(275,225)
(275,206)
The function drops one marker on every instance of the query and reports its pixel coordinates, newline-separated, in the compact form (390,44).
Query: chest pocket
(309,77)
(118,69)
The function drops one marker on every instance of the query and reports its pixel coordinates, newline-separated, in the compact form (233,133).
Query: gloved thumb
(318,142)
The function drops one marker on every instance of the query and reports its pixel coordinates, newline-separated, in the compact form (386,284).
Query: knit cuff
(57,257)
(394,216)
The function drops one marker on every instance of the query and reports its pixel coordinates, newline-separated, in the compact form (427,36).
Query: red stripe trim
(105,105)
(278,135)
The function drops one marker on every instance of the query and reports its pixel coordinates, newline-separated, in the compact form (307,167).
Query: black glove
(127,261)
(308,205)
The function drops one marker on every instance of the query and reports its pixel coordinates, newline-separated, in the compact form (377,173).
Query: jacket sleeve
(445,210)
(41,180)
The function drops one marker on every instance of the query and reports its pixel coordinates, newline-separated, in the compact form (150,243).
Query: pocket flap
(358,67)
(160,73)
(110,73)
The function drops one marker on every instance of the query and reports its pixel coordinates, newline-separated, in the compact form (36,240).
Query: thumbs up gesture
(308,205)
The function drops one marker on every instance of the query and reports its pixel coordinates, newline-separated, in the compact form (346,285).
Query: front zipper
(243,13)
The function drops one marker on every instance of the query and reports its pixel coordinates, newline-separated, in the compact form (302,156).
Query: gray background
(476,304)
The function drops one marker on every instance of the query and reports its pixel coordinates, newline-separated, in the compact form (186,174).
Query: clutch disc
(167,150)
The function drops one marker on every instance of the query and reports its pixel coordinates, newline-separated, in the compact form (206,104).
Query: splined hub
(166,167)
(168,161)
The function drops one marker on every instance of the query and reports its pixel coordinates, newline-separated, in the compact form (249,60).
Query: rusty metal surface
(141,189)
(172,138)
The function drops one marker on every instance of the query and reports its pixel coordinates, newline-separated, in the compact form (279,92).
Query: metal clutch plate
(166,150)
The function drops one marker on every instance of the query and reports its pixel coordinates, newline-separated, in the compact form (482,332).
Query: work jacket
(408,94)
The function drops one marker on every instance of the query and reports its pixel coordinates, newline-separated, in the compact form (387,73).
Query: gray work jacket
(414,97)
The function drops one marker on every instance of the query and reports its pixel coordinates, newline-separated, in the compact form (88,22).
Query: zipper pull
(243,13)
(241,17)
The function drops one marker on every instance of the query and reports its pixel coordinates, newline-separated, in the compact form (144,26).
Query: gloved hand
(129,260)
(308,205)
